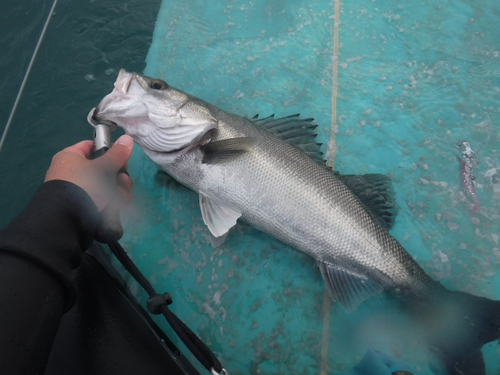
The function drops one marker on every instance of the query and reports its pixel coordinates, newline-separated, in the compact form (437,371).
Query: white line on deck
(331,163)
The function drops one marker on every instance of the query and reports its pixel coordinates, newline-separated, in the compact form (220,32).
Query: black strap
(158,304)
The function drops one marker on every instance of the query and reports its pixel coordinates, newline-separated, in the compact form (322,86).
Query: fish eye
(158,84)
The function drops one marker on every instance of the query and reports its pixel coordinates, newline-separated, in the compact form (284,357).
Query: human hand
(97,177)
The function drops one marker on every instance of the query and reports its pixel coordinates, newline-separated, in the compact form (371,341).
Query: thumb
(118,155)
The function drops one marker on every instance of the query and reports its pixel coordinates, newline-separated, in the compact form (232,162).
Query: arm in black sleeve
(38,251)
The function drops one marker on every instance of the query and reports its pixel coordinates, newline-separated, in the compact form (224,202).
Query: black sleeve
(38,251)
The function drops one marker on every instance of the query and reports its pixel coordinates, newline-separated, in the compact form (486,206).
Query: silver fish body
(244,169)
(279,190)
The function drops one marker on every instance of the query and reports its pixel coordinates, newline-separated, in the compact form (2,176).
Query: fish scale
(324,196)
(245,169)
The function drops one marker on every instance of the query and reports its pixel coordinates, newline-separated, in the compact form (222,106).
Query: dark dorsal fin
(376,193)
(296,131)
(374,190)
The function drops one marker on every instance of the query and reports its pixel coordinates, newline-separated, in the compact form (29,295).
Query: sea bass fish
(269,173)
(468,163)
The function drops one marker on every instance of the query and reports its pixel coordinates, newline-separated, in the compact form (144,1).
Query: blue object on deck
(378,363)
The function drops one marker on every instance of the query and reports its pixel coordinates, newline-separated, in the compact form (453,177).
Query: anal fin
(347,287)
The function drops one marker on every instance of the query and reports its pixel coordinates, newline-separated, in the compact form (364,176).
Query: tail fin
(458,324)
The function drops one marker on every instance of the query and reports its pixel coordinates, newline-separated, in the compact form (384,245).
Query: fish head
(157,116)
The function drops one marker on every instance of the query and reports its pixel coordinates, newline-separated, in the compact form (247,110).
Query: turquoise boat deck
(393,85)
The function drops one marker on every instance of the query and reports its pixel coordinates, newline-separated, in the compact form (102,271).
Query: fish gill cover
(412,79)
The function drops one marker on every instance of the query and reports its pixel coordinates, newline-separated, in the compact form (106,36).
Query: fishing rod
(157,304)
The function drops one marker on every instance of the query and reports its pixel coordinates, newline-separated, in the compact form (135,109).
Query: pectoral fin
(223,149)
(347,287)
(218,217)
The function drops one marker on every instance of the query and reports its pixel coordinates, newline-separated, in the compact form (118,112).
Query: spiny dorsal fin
(296,131)
(218,150)
(374,190)
(377,194)
(347,287)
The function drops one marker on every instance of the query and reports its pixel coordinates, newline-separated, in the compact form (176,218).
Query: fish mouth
(123,81)
(92,120)
(123,105)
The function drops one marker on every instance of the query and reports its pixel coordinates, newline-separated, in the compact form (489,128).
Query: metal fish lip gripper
(102,134)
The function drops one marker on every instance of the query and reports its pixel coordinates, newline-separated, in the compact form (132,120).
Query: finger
(125,166)
(83,148)
(118,154)
(125,182)
(125,196)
